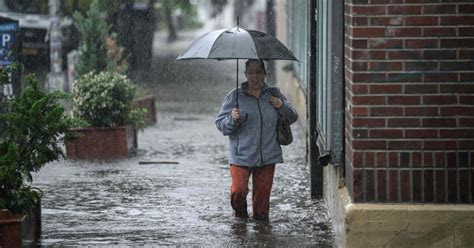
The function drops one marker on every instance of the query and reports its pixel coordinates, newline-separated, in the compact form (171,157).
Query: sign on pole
(7,41)
(8,50)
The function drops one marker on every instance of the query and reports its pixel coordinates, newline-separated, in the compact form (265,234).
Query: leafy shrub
(105,100)
(33,127)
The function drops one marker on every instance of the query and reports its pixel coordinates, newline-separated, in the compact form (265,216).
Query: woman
(253,145)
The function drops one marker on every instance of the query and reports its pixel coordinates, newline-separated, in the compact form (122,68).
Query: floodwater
(175,190)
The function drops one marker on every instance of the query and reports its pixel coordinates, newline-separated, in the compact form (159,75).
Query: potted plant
(32,128)
(144,100)
(104,101)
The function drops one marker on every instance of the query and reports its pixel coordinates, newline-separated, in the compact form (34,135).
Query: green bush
(33,127)
(105,100)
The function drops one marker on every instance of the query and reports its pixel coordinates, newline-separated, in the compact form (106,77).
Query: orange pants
(262,181)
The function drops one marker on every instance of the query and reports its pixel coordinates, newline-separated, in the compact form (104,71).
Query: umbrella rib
(196,47)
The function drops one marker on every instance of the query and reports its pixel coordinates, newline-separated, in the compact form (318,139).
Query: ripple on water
(125,203)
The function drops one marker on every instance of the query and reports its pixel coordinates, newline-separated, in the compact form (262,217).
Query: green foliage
(105,100)
(33,127)
(70,6)
(31,7)
(98,50)
(94,30)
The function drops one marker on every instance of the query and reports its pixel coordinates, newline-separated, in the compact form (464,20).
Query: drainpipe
(316,171)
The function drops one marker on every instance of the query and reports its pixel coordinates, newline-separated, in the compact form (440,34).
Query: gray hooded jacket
(254,142)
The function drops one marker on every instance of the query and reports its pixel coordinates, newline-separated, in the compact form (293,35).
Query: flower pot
(103,143)
(10,229)
(17,230)
(148,103)
(31,226)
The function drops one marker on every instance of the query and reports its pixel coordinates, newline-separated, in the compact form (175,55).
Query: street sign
(7,41)
(9,44)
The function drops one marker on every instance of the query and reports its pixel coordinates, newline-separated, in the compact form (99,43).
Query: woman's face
(255,76)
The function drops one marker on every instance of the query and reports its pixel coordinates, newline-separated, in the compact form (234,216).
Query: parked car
(35,23)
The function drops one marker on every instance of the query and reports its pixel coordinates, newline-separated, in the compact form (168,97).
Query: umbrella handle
(237,90)
(237,84)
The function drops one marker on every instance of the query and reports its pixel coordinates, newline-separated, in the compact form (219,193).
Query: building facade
(389,96)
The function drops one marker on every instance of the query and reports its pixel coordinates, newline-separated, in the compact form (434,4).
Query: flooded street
(175,191)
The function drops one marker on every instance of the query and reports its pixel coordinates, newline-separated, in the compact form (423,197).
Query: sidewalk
(182,199)
(180,196)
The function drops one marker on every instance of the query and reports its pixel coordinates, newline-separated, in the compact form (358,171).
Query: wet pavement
(175,191)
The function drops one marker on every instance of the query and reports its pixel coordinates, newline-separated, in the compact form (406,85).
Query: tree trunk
(169,22)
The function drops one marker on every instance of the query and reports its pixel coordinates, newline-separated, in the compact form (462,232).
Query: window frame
(330,78)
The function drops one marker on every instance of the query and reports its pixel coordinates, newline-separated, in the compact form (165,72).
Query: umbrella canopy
(237,43)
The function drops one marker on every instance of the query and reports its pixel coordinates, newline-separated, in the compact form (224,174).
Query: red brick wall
(409,68)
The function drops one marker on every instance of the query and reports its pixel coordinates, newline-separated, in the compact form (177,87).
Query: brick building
(410,100)
(388,88)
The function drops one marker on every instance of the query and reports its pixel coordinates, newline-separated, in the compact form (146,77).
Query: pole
(315,169)
(270,20)
(237,78)
(56,76)
(237,84)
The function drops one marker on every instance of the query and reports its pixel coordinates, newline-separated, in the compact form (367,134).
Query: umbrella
(237,43)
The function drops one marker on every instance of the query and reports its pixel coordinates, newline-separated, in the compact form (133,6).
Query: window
(298,36)
(322,70)
(329,77)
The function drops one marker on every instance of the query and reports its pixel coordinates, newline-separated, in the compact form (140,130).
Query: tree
(94,31)
(68,7)
(170,6)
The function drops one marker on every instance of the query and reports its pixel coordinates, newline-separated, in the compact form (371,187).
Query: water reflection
(263,232)
(252,233)
(239,231)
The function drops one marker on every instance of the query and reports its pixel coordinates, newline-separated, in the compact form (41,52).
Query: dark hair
(256,61)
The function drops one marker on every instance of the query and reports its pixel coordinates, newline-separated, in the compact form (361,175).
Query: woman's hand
(235,114)
(276,102)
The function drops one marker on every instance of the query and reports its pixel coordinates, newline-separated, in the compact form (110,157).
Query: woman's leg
(239,190)
(262,180)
